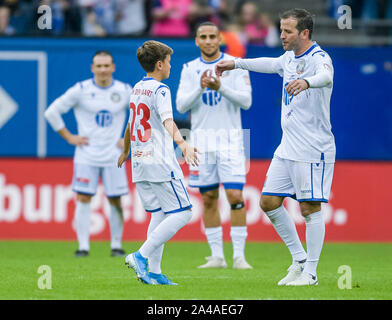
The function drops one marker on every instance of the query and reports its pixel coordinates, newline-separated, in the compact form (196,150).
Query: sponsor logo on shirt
(104,118)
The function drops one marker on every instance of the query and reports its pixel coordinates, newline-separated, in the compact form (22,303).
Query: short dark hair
(150,52)
(303,17)
(103,53)
(206,23)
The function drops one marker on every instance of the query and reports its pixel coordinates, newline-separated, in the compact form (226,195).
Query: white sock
(215,240)
(165,231)
(116,227)
(238,237)
(82,224)
(154,260)
(285,228)
(315,231)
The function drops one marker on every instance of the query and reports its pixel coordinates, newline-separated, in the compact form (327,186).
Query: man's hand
(223,66)
(77,140)
(190,154)
(296,86)
(208,81)
(122,158)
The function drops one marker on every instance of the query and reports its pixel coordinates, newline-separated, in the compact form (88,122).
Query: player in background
(303,163)
(215,105)
(155,169)
(100,106)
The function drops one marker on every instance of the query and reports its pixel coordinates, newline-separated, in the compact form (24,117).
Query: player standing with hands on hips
(215,105)
(100,105)
(155,169)
(303,163)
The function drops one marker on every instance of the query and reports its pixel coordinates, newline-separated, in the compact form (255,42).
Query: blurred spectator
(257,28)
(216,11)
(233,40)
(98,17)
(6,9)
(170,18)
(131,17)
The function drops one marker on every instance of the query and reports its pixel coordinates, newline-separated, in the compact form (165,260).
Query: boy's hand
(190,154)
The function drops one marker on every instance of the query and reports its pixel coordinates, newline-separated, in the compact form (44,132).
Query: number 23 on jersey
(145,134)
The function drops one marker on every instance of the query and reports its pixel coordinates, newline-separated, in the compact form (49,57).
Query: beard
(209,55)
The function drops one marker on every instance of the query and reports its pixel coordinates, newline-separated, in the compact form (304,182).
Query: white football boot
(305,279)
(214,262)
(241,263)
(294,272)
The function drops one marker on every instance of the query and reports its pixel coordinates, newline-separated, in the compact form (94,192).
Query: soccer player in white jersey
(215,105)
(155,169)
(303,163)
(100,106)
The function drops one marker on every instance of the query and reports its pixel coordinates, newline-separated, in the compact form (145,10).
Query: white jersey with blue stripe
(100,114)
(215,120)
(305,118)
(152,150)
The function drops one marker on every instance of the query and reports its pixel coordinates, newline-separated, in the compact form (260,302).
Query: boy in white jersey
(155,169)
(303,163)
(99,105)
(215,105)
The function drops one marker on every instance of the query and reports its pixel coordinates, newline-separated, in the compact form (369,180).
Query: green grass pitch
(100,276)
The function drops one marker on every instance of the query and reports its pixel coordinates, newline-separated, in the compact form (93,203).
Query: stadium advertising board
(36,202)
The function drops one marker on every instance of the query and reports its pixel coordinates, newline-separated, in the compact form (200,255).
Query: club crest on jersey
(300,66)
(211,97)
(115,97)
(104,118)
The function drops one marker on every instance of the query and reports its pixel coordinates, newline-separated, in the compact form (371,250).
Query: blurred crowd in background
(243,19)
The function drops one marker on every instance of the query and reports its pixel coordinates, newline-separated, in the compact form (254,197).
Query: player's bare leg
(116,222)
(82,223)
(285,227)
(315,231)
(238,231)
(213,229)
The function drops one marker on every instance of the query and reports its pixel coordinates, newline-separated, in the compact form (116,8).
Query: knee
(269,203)
(116,202)
(234,196)
(210,199)
(310,207)
(84,198)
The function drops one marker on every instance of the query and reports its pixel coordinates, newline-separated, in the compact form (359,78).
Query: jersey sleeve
(62,105)
(323,71)
(188,92)
(163,102)
(262,65)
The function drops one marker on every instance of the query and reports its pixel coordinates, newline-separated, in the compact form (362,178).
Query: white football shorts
(86,179)
(300,180)
(168,196)
(218,167)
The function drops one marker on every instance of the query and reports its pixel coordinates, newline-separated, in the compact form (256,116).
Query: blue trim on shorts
(278,194)
(207,188)
(311,178)
(117,196)
(233,185)
(83,193)
(322,182)
(312,199)
(152,211)
(186,192)
(178,210)
(171,183)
